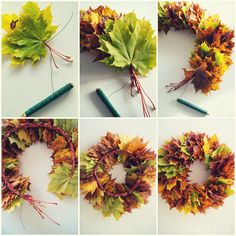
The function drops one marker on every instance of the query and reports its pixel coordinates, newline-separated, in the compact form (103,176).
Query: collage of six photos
(118,118)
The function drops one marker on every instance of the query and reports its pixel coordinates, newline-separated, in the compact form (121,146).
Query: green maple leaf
(62,182)
(26,40)
(113,206)
(209,22)
(87,163)
(74,136)
(20,144)
(139,199)
(225,181)
(170,170)
(162,13)
(129,41)
(229,191)
(10,163)
(220,58)
(205,49)
(66,124)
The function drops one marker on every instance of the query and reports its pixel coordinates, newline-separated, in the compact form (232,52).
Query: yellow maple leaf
(62,155)
(135,144)
(7,20)
(47,14)
(104,178)
(88,187)
(106,11)
(92,17)
(59,143)
(171,184)
(24,136)
(123,141)
(208,142)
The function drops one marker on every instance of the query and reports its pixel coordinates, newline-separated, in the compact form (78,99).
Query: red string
(57,53)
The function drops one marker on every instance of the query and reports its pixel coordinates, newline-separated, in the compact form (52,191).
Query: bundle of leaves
(59,135)
(92,24)
(211,56)
(28,33)
(97,184)
(122,42)
(174,160)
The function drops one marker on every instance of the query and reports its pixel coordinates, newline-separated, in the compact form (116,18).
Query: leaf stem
(174,86)
(57,53)
(135,83)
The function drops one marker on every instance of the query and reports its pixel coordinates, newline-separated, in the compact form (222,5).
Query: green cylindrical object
(192,106)
(107,103)
(48,99)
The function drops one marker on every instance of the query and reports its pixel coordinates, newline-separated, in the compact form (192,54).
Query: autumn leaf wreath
(97,184)
(59,135)
(174,159)
(211,55)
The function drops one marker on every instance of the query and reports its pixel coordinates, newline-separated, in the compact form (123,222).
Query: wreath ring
(211,55)
(97,184)
(20,134)
(174,159)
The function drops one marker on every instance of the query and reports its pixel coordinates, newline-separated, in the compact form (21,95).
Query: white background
(173,54)
(215,221)
(22,87)
(36,163)
(140,221)
(98,75)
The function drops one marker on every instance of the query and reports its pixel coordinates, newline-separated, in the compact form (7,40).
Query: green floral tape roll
(49,99)
(107,103)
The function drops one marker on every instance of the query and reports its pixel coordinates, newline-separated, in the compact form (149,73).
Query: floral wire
(51,73)
(62,28)
(119,88)
(21,220)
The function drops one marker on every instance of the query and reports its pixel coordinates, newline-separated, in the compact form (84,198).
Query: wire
(119,88)
(62,28)
(51,56)
(21,220)
(51,76)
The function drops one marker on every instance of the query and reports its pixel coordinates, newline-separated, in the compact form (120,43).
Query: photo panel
(117,176)
(196,176)
(40,59)
(196,59)
(39,176)
(118,58)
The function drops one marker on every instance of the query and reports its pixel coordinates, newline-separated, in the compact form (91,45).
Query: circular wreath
(174,159)
(101,189)
(211,55)
(59,135)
